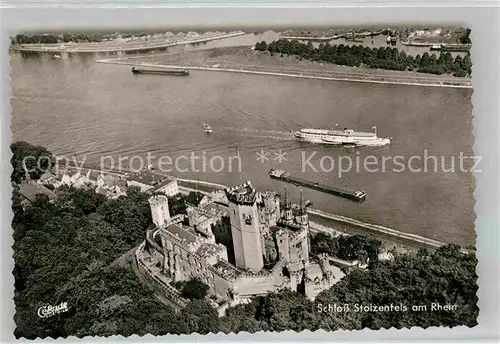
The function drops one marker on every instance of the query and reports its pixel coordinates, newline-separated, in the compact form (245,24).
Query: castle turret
(159,210)
(286,213)
(303,217)
(245,229)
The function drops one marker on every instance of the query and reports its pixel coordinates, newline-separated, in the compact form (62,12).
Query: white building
(153,182)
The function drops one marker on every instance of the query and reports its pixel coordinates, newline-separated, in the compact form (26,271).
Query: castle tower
(245,229)
(159,209)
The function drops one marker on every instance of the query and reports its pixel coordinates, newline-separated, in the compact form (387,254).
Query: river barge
(452,47)
(354,195)
(143,70)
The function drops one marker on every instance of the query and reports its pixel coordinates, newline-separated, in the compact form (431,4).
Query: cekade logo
(48,311)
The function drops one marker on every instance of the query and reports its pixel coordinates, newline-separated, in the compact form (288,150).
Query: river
(75,106)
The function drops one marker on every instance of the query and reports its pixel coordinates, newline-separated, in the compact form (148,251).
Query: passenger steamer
(342,137)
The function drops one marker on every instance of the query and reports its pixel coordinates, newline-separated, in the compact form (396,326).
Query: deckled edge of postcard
(7,306)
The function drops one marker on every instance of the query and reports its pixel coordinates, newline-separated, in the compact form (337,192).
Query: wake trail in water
(261,133)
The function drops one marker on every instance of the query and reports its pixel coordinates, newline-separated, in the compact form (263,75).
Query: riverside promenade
(389,79)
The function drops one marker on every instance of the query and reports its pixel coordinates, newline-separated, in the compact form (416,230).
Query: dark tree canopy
(178,203)
(35,160)
(352,247)
(194,289)
(357,55)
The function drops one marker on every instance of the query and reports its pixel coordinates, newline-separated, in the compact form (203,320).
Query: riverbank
(140,45)
(340,224)
(393,239)
(245,60)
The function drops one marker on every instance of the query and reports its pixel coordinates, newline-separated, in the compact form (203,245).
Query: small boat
(207,128)
(56,56)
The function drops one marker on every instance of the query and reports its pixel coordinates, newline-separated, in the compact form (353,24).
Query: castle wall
(248,286)
(234,216)
(283,245)
(220,285)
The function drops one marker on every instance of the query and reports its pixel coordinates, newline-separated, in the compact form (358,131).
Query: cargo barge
(354,195)
(142,70)
(452,47)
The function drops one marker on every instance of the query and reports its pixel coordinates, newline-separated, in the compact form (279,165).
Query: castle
(270,239)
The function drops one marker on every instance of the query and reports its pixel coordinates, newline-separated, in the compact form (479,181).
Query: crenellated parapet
(160,212)
(226,270)
(157,200)
(299,235)
(243,194)
(261,273)
(179,218)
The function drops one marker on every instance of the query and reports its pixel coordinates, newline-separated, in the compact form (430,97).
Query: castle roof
(181,233)
(147,177)
(208,250)
(216,208)
(165,182)
(31,189)
(109,180)
(93,175)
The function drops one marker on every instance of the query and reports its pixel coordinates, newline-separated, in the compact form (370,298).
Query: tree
(465,38)
(262,46)
(199,317)
(194,198)
(29,159)
(194,289)
(467,64)
(350,247)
